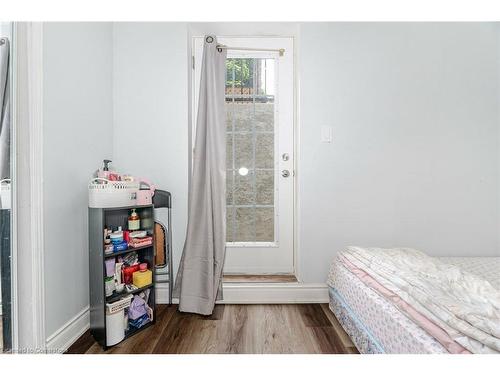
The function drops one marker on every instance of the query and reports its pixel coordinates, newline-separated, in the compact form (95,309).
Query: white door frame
(29,286)
(289,42)
(13,172)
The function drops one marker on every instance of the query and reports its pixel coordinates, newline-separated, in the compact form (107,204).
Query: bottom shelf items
(128,315)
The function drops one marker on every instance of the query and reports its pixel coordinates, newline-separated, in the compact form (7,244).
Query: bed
(376,325)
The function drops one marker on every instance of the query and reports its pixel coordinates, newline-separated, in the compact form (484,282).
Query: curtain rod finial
(282,52)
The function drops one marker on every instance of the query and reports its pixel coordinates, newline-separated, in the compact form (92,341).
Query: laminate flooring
(248,329)
(260,279)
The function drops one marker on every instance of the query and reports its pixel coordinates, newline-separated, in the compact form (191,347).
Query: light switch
(326,134)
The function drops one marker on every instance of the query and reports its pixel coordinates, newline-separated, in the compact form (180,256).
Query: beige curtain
(198,282)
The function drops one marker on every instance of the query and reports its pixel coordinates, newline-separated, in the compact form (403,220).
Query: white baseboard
(254,293)
(65,336)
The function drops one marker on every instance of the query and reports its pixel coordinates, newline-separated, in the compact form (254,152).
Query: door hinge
(192,60)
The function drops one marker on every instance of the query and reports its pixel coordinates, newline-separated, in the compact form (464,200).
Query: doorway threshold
(259,279)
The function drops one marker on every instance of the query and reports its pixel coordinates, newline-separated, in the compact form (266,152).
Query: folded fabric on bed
(395,332)
(462,304)
(427,325)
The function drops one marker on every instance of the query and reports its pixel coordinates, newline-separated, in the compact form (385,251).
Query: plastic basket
(119,305)
(105,194)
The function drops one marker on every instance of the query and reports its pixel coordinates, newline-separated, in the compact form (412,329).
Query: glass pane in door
(250,124)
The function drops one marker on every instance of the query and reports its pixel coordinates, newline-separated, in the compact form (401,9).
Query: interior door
(260,153)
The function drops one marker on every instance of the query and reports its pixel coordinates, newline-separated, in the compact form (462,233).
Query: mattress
(377,326)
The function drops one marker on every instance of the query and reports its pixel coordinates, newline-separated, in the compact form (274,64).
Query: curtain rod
(281,51)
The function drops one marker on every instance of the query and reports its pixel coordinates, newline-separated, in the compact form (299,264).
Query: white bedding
(487,268)
(391,329)
(464,305)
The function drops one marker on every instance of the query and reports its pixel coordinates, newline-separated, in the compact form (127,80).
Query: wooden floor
(260,279)
(296,329)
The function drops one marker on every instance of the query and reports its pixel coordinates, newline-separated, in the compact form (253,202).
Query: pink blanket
(428,326)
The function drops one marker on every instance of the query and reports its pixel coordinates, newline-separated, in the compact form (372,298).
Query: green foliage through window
(239,72)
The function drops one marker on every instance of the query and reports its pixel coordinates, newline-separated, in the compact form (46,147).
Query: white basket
(119,305)
(105,194)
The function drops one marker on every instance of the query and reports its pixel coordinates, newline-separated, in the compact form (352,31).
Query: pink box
(144,197)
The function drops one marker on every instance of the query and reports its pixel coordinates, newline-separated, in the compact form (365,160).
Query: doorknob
(285,173)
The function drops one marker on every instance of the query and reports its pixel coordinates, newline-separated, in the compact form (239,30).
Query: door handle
(285,173)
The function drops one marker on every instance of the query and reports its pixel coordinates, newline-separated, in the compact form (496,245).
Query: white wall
(414,162)
(415,159)
(150,86)
(414,112)
(498,120)
(77,130)
(244,28)
(6,29)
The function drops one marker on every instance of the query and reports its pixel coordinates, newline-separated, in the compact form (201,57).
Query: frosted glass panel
(250,113)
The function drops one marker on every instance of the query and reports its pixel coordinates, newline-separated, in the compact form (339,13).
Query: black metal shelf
(99,218)
(129,250)
(127,207)
(116,296)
